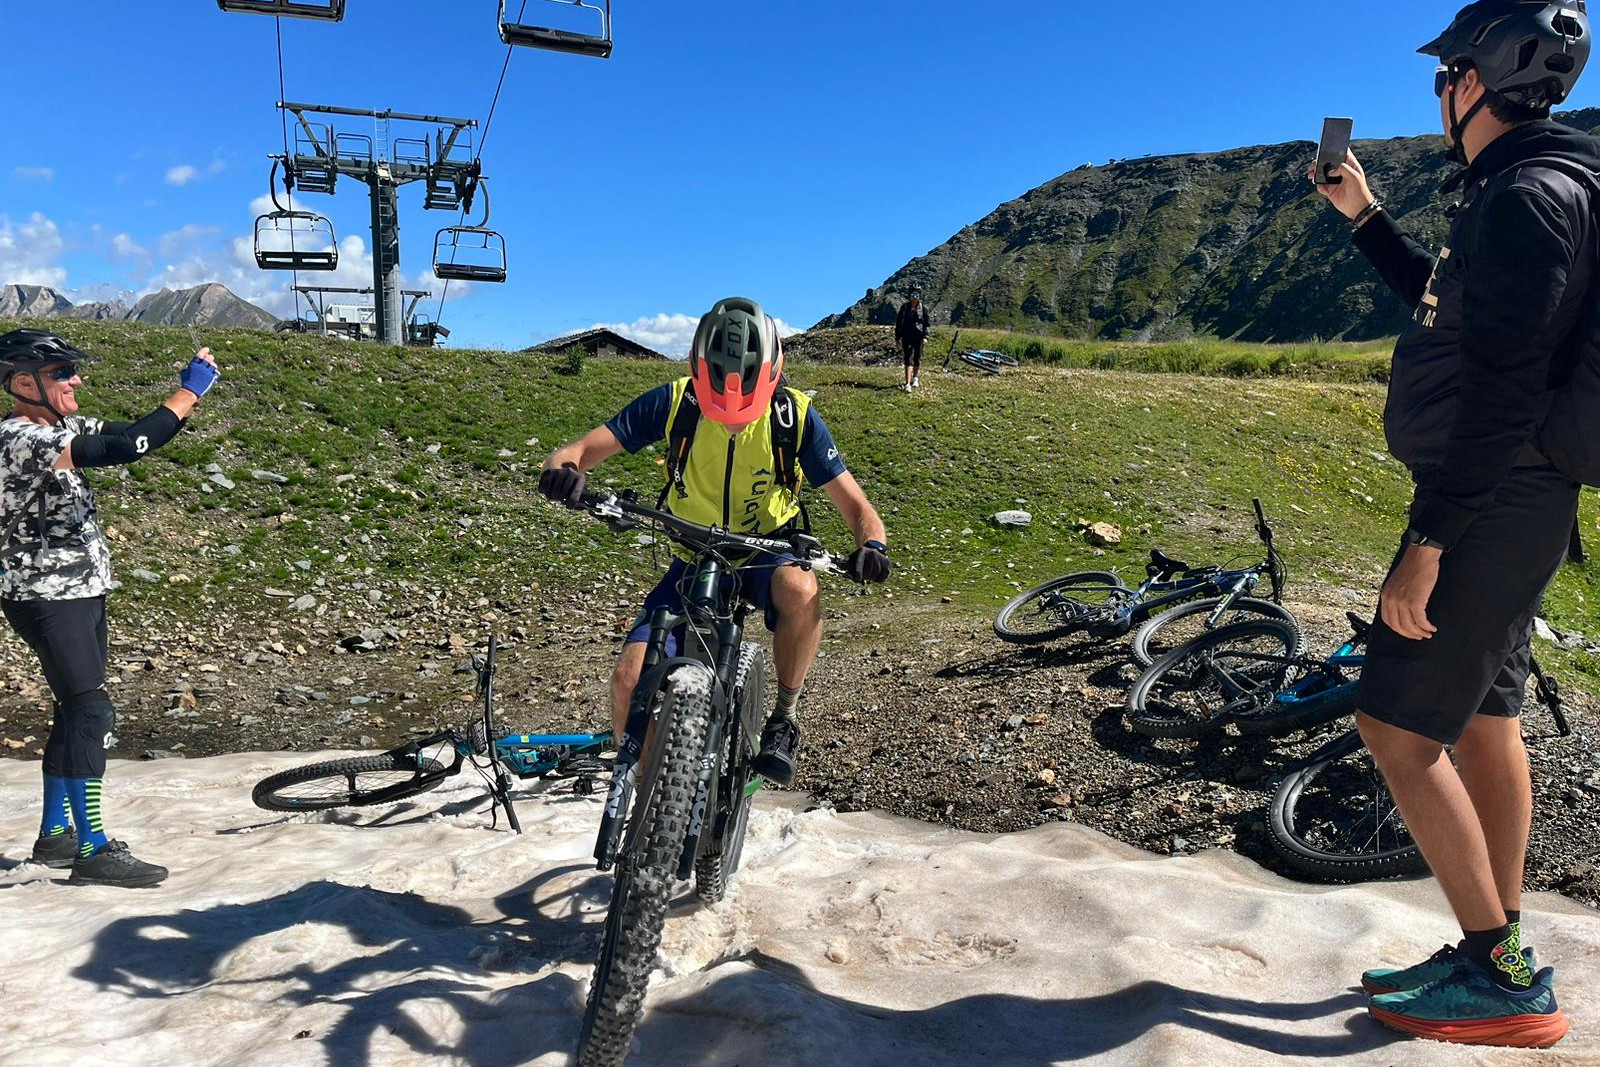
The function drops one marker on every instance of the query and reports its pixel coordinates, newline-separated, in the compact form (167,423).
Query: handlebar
(620,512)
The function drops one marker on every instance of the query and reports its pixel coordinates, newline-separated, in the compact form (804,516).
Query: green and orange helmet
(736,361)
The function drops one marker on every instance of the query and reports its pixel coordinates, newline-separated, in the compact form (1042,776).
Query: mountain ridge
(1232,244)
(211,304)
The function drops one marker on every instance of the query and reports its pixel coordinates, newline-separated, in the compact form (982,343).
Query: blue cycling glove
(199,376)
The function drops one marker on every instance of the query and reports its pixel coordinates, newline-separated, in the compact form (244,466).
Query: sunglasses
(1441,81)
(63,372)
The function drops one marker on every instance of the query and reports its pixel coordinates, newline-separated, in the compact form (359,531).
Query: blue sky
(795,152)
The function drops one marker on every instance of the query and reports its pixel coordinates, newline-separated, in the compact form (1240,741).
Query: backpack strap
(680,438)
(786,438)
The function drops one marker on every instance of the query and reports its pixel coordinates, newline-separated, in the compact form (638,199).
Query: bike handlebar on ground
(620,512)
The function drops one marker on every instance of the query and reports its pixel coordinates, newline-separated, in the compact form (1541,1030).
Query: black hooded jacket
(1499,320)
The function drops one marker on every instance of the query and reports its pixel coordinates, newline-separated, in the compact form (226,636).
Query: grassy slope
(1179,453)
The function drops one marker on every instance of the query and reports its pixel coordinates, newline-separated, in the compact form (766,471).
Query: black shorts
(913,352)
(1489,590)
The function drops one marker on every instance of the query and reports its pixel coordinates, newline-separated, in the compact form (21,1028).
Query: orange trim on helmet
(730,405)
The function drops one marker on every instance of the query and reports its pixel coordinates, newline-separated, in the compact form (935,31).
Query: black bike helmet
(28,350)
(1528,51)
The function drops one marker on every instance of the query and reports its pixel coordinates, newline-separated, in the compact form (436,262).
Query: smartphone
(1332,150)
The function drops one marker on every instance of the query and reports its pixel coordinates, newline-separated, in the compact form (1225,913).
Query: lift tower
(321,156)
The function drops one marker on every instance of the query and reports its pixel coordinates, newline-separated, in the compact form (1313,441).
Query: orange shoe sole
(1512,1031)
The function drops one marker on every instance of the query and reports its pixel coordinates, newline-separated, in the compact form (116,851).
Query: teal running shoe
(1439,965)
(1469,1007)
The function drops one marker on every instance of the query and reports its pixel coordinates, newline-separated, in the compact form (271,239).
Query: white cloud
(125,247)
(181,176)
(33,174)
(671,334)
(28,252)
(176,243)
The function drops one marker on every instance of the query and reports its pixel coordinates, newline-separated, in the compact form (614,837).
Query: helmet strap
(1458,126)
(42,402)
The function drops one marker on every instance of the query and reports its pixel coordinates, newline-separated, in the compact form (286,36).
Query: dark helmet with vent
(28,350)
(735,361)
(1529,52)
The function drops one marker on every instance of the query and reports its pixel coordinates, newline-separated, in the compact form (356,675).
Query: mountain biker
(1501,319)
(911,327)
(727,478)
(57,574)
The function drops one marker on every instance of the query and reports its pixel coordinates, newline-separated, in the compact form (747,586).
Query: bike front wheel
(1335,820)
(715,866)
(1198,686)
(645,875)
(1165,632)
(1059,607)
(354,782)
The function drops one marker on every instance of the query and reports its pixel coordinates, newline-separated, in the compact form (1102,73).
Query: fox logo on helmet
(736,361)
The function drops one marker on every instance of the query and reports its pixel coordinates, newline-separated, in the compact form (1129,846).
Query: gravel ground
(914,708)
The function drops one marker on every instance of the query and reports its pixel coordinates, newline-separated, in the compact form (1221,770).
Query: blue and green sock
(85,796)
(57,811)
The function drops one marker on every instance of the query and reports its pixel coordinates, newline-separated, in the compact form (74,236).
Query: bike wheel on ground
(349,782)
(1335,820)
(1059,607)
(644,877)
(974,359)
(1175,626)
(1217,676)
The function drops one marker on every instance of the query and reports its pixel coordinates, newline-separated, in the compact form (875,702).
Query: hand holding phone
(1332,151)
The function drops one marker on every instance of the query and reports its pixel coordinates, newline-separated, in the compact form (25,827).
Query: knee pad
(88,720)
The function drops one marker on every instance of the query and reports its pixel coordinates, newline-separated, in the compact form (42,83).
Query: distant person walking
(911,330)
(1501,324)
(57,574)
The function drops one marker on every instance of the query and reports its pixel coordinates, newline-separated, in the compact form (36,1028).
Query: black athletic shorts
(1489,590)
(913,352)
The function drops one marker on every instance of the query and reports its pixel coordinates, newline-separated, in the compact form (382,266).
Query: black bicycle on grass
(1099,604)
(678,806)
(415,767)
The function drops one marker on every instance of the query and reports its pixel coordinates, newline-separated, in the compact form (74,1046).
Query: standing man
(57,574)
(1501,316)
(911,330)
(721,425)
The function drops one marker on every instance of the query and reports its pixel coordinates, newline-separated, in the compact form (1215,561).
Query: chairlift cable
(478,155)
(283,119)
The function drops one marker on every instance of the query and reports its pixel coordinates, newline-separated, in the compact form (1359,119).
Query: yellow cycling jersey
(728,479)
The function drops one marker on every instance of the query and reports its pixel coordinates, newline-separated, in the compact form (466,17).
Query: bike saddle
(1164,565)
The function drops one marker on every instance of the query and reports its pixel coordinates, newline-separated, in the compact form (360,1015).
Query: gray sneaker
(115,865)
(56,850)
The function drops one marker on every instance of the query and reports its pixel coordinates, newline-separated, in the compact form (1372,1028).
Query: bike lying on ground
(413,768)
(1248,673)
(1099,605)
(1332,818)
(678,806)
(987,360)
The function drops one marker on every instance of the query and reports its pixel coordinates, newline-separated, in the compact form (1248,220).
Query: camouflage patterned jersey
(70,560)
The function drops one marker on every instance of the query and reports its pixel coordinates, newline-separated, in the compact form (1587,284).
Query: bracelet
(1366,215)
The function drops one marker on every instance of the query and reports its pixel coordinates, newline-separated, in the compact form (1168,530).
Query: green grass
(1179,454)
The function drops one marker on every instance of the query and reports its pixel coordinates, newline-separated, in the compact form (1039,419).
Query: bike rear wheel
(1219,675)
(1335,820)
(1059,607)
(644,878)
(350,782)
(972,359)
(1173,627)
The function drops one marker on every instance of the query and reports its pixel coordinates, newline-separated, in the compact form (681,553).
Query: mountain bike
(1333,818)
(678,805)
(1101,606)
(987,360)
(1248,673)
(414,767)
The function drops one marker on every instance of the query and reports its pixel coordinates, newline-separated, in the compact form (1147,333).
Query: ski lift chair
(485,254)
(559,40)
(326,11)
(307,235)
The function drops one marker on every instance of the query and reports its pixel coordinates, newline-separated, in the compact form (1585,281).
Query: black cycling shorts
(913,353)
(1490,588)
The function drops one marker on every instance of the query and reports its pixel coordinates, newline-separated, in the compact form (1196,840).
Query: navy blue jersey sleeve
(819,456)
(643,422)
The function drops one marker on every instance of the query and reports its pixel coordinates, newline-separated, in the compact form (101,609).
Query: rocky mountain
(31,302)
(204,305)
(1233,244)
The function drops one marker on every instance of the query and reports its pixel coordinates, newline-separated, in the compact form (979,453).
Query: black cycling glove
(869,563)
(564,484)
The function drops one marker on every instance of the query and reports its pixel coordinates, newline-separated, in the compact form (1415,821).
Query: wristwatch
(1417,537)
(879,545)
